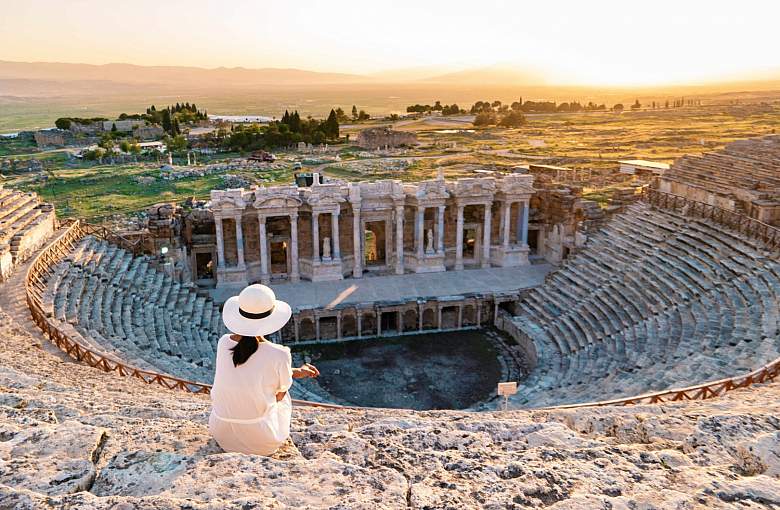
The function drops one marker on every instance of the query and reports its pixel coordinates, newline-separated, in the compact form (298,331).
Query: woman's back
(245,415)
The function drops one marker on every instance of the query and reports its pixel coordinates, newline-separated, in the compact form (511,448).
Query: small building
(152,146)
(642,167)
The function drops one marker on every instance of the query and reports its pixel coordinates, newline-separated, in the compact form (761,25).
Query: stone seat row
(123,305)
(655,300)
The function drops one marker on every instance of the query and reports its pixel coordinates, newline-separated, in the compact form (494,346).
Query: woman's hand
(306,370)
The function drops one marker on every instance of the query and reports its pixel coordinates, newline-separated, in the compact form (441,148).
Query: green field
(594,140)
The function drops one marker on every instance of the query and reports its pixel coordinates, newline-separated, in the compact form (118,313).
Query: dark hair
(243,349)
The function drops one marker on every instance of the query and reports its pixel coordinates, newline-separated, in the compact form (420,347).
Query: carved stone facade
(337,229)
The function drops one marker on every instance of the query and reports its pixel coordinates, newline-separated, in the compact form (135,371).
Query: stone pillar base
(231,277)
(512,256)
(429,263)
(327,270)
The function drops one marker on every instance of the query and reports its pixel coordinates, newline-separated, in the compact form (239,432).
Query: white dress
(245,416)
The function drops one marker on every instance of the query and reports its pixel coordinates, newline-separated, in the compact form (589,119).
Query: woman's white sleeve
(285,373)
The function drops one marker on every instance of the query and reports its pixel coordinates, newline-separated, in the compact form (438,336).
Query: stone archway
(429,319)
(469,315)
(348,325)
(449,317)
(410,320)
(368,324)
(306,329)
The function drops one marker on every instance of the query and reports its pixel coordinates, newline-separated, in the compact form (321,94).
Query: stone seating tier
(656,300)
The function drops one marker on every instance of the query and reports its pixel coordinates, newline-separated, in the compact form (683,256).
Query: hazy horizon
(599,43)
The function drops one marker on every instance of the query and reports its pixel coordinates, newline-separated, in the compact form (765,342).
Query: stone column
(220,242)
(378,316)
(524,225)
(505,223)
(359,322)
(419,317)
(297,325)
(315,238)
(419,233)
(317,327)
(460,316)
(338,325)
(486,237)
(334,231)
(399,239)
(263,238)
(459,240)
(240,241)
(295,274)
(440,233)
(357,242)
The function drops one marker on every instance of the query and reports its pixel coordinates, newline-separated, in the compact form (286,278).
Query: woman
(251,406)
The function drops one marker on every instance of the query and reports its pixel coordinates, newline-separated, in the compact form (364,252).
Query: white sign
(506,389)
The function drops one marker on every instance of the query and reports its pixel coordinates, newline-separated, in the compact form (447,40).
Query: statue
(326,248)
(429,243)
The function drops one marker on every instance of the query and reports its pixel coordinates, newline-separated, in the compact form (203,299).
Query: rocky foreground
(73,437)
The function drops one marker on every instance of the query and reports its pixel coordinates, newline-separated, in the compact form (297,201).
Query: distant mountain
(492,75)
(170,75)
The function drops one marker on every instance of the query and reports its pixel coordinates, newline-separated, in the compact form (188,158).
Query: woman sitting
(251,406)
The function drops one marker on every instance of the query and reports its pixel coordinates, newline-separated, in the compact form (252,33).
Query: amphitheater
(648,350)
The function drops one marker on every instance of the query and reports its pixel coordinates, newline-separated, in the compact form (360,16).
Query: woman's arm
(307,370)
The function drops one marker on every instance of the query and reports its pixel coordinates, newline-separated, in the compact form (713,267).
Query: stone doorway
(533,240)
(389,323)
(374,243)
(204,266)
(471,243)
(280,260)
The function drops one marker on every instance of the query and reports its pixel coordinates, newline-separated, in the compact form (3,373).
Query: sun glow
(595,43)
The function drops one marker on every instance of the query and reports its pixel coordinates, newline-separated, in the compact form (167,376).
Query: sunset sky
(592,42)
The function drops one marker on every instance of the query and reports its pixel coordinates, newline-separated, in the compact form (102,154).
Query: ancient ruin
(654,299)
(25,224)
(335,230)
(742,178)
(382,137)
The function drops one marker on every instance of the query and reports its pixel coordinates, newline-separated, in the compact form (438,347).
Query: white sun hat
(255,312)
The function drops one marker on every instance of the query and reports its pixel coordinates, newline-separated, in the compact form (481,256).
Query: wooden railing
(751,227)
(703,391)
(42,265)
(35,283)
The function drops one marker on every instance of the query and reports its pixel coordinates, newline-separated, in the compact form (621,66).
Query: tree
(166,121)
(106,142)
(512,119)
(354,112)
(340,115)
(135,149)
(485,118)
(175,144)
(62,123)
(363,115)
(332,125)
(618,107)
(125,146)
(517,105)
(113,127)
(637,105)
